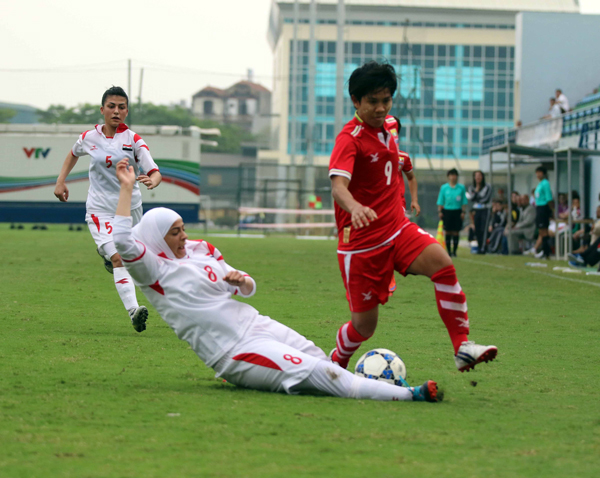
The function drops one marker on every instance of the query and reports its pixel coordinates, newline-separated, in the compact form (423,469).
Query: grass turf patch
(83,395)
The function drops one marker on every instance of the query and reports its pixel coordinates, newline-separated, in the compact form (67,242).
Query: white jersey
(106,152)
(190,293)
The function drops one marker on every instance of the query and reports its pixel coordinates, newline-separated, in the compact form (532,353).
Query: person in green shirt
(452,202)
(543,212)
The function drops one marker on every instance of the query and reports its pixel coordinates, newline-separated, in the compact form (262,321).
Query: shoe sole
(139,319)
(486,357)
(431,392)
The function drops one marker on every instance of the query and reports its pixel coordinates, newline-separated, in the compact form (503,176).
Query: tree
(230,141)
(85,113)
(6,115)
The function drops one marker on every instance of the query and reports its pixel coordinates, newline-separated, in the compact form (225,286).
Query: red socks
(452,305)
(348,341)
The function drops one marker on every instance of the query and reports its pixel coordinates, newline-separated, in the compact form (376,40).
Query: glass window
(464,135)
(429,49)
(439,135)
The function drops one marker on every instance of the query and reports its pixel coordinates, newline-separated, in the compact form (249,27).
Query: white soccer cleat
(470,354)
(539,255)
(138,316)
(530,252)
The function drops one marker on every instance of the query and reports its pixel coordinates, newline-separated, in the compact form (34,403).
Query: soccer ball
(381,364)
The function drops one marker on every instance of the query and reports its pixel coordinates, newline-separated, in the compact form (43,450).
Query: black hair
(542,169)
(115,91)
(399,124)
(372,77)
(452,171)
(482,178)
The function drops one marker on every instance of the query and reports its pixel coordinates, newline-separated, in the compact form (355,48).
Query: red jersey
(369,158)
(405,163)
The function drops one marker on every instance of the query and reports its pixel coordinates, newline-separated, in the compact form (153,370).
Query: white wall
(15,163)
(557,50)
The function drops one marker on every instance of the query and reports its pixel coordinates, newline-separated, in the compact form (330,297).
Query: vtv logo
(37,151)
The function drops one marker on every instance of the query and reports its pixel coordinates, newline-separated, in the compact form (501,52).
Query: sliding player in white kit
(191,287)
(107,144)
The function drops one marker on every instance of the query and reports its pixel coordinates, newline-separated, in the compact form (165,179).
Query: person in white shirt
(554,111)
(106,145)
(191,286)
(562,101)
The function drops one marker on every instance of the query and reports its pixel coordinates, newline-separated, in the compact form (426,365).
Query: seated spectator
(562,100)
(593,235)
(589,257)
(563,205)
(516,210)
(496,229)
(525,228)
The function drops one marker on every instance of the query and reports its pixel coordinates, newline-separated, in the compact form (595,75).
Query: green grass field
(83,395)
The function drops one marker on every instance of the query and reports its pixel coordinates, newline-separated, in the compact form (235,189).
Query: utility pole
(294,86)
(310,127)
(141,82)
(129,90)
(339,59)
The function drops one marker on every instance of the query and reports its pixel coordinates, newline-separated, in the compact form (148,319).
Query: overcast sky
(69,51)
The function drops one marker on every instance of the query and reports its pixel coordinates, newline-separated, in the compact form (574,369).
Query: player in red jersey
(375,237)
(404,165)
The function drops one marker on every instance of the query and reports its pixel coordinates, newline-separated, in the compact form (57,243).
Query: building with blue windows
(455,61)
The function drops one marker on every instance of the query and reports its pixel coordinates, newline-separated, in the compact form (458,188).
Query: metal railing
(548,132)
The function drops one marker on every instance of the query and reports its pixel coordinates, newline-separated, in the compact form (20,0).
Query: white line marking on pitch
(595,284)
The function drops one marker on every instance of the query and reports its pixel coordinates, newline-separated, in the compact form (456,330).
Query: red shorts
(367,274)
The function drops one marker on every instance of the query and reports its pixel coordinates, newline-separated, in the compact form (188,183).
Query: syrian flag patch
(127,147)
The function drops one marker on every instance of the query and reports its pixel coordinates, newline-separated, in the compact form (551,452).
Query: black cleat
(138,315)
(107,264)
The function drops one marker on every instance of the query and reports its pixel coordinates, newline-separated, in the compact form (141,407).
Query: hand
(414,206)
(462,216)
(125,173)
(61,191)
(235,278)
(441,214)
(362,216)
(146,181)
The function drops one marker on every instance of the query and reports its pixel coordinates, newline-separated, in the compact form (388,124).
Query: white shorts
(270,357)
(101,228)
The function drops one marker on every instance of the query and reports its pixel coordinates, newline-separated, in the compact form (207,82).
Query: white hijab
(153,228)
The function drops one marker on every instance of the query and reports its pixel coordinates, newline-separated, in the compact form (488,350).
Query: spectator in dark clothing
(496,228)
(589,257)
(516,210)
(480,197)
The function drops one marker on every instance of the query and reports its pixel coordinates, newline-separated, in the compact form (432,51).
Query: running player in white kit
(191,287)
(107,144)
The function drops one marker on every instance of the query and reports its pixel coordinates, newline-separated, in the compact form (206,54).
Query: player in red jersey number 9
(375,237)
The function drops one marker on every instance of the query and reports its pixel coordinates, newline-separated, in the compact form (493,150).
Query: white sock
(125,287)
(334,380)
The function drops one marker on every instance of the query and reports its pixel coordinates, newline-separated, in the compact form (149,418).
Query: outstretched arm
(126,176)
(414,196)
(362,216)
(61,191)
